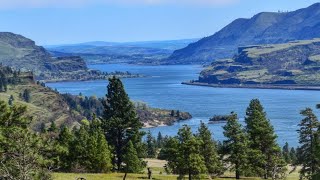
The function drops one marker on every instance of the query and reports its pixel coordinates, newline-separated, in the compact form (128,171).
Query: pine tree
(3,82)
(53,127)
(172,113)
(286,153)
(266,159)
(101,159)
(89,151)
(189,161)
(293,156)
(10,101)
(64,141)
(132,162)
(209,152)
(236,145)
(120,121)
(26,95)
(309,140)
(20,148)
(78,149)
(169,152)
(159,140)
(178,114)
(151,145)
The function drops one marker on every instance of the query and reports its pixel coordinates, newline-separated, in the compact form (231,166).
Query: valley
(162,89)
(240,103)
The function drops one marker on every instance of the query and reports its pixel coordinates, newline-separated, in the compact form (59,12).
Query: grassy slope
(290,63)
(45,106)
(156,166)
(265,49)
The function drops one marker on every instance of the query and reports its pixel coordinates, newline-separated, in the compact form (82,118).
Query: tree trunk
(118,151)
(237,172)
(125,176)
(190,177)
(265,176)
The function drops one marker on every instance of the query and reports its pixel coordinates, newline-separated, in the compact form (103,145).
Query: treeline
(249,150)
(87,106)
(9,76)
(113,143)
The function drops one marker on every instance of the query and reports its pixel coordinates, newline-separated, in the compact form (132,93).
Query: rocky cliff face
(263,28)
(291,63)
(69,64)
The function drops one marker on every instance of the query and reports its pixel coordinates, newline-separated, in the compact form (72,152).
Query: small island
(154,117)
(219,119)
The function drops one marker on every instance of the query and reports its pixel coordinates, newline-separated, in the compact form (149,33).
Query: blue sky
(72,21)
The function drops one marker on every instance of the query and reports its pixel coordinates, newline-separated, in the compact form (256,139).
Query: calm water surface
(163,89)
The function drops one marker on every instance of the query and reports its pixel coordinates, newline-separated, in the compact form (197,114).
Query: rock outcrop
(294,63)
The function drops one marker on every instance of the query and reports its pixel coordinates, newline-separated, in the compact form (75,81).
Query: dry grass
(158,174)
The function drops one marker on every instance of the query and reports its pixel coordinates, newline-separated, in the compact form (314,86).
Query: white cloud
(81,3)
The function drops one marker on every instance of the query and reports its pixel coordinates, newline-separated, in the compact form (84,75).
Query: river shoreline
(252,86)
(91,79)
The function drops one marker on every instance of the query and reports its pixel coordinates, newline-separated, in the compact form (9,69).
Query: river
(162,88)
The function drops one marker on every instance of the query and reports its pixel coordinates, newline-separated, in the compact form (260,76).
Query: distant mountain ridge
(159,44)
(263,28)
(141,52)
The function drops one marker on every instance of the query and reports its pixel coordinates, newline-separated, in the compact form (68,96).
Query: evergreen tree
(10,101)
(53,127)
(293,156)
(120,121)
(43,128)
(101,156)
(3,82)
(151,146)
(26,95)
(236,145)
(79,155)
(169,152)
(20,148)
(64,140)
(89,151)
(172,113)
(309,140)
(159,140)
(286,153)
(132,162)
(209,152)
(266,159)
(178,113)
(189,161)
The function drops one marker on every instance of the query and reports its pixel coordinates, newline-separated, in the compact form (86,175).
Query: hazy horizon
(50,22)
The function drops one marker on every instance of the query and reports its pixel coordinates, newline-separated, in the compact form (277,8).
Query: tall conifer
(309,140)
(208,150)
(236,145)
(120,121)
(266,159)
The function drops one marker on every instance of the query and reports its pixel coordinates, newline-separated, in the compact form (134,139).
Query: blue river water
(162,88)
